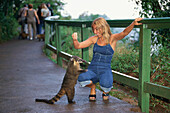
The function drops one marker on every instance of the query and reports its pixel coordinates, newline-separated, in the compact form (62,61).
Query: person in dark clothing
(22,17)
(51,10)
(39,26)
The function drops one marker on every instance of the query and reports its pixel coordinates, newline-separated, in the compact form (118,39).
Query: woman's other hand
(74,36)
(136,21)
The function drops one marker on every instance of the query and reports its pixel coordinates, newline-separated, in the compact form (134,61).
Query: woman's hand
(74,36)
(136,21)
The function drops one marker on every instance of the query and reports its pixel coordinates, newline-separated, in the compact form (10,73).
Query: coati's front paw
(71,102)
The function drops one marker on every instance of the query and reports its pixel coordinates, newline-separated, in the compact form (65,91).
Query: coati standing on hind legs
(69,81)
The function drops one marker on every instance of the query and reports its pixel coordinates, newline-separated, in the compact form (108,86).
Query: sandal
(105,95)
(92,100)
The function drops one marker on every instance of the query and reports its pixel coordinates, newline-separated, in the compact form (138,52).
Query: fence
(143,84)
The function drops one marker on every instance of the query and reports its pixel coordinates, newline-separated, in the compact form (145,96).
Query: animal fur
(69,81)
(23,35)
(41,36)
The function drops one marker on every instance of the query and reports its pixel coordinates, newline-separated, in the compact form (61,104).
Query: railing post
(144,67)
(85,51)
(58,44)
(46,37)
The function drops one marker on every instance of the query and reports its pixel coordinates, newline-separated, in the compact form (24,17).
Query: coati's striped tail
(44,100)
(54,99)
(51,101)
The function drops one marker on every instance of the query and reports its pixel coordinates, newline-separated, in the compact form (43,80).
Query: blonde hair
(101,23)
(43,6)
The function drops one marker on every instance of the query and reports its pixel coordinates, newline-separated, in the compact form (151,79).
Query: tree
(9,11)
(156,9)
(86,16)
(57,5)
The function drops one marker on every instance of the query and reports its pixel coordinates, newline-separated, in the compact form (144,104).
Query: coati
(69,81)
(23,35)
(41,36)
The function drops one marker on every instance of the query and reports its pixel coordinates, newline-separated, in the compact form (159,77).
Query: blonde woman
(99,69)
(44,13)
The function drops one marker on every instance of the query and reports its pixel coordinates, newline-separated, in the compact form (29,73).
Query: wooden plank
(125,79)
(113,23)
(156,89)
(58,44)
(65,55)
(51,48)
(144,67)
(85,51)
(158,26)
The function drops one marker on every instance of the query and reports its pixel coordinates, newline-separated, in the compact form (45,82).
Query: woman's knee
(81,78)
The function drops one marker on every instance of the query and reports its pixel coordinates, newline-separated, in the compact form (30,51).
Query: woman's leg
(92,91)
(88,79)
(106,83)
(34,30)
(29,31)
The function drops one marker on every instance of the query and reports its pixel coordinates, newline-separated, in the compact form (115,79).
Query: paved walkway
(26,73)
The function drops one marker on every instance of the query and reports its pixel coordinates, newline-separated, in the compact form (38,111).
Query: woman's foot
(92,96)
(105,96)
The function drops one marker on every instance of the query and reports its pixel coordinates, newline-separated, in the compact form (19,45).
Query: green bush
(125,60)
(160,67)
(8,27)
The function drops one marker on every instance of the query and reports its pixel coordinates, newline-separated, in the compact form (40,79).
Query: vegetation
(9,12)
(156,9)
(126,57)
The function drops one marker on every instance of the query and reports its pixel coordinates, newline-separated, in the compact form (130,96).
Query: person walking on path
(44,13)
(39,26)
(22,17)
(99,69)
(50,9)
(31,14)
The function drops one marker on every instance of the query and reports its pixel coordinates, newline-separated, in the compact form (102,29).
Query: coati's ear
(75,63)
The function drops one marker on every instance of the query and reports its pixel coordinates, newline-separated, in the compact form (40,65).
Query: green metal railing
(143,83)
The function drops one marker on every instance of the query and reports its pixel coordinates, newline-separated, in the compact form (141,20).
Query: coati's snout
(77,59)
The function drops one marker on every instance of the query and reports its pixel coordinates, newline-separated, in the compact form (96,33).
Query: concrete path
(26,73)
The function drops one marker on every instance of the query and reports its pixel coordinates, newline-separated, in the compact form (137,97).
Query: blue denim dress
(99,69)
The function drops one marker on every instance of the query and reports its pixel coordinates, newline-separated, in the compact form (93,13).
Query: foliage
(8,27)
(67,41)
(160,72)
(125,59)
(9,11)
(156,9)
(57,5)
(86,16)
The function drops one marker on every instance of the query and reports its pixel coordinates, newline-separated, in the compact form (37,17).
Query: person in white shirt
(44,12)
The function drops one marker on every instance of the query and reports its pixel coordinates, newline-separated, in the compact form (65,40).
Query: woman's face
(97,31)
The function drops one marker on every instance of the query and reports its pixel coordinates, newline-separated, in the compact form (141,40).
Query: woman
(99,69)
(31,14)
(44,13)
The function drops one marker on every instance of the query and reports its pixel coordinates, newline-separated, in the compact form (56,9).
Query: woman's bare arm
(84,44)
(126,31)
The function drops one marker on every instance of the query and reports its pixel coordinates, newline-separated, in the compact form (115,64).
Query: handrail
(143,83)
(112,23)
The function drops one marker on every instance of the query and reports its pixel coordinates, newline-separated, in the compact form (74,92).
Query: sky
(114,9)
